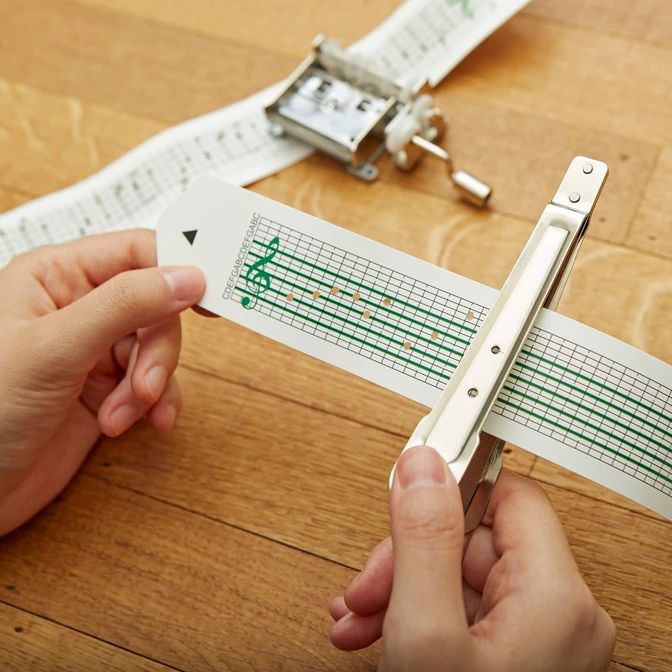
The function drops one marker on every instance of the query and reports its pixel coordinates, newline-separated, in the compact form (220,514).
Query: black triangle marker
(190,235)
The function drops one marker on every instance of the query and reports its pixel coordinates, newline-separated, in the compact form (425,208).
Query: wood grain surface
(218,546)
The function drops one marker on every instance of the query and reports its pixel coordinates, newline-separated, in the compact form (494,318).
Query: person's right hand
(508,597)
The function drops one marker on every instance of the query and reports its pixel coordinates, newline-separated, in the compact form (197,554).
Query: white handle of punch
(457,416)
(454,424)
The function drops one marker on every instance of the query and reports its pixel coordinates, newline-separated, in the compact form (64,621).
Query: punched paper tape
(423,38)
(577,397)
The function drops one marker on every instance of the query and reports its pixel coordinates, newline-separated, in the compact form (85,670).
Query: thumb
(428,539)
(122,305)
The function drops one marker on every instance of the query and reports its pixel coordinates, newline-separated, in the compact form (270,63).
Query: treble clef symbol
(257,278)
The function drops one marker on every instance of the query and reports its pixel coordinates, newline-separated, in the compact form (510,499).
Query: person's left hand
(89,342)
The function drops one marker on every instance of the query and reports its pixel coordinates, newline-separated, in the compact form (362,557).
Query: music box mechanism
(343,106)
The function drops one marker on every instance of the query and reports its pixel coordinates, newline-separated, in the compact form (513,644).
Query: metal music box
(345,107)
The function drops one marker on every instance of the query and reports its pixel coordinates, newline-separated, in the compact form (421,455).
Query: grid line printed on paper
(558,388)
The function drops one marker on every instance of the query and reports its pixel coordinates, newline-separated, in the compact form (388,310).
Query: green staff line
(524,351)
(506,402)
(373,318)
(461,325)
(587,393)
(377,306)
(604,416)
(543,418)
(602,385)
(588,410)
(597,428)
(350,306)
(352,336)
(359,325)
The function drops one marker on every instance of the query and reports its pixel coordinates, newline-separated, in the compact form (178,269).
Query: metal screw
(575,197)
(276,130)
(587,168)
(473,392)
(495,350)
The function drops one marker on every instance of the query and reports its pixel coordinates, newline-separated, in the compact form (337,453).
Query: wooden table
(219,545)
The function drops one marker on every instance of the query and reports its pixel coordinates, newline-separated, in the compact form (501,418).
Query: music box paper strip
(575,396)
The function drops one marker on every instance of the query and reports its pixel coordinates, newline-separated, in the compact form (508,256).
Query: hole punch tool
(343,106)
(454,427)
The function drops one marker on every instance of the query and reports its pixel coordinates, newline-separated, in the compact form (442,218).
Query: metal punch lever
(454,427)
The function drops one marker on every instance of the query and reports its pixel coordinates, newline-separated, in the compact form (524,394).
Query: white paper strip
(428,38)
(232,143)
(577,397)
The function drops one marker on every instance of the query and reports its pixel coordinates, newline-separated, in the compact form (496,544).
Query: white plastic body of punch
(454,426)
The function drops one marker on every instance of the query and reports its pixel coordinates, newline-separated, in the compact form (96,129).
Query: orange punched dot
(366,314)
(387,302)
(290,297)
(356,296)
(470,316)
(407,345)
(434,335)
(316,294)
(334,290)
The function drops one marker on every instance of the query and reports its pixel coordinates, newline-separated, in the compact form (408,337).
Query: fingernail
(421,467)
(122,418)
(186,282)
(155,380)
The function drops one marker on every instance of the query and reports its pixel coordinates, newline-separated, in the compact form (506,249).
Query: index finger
(523,519)
(95,259)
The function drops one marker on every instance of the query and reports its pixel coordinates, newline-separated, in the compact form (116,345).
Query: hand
(89,341)
(508,597)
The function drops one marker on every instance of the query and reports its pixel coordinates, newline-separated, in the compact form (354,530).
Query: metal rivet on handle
(575,197)
(473,392)
(587,168)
